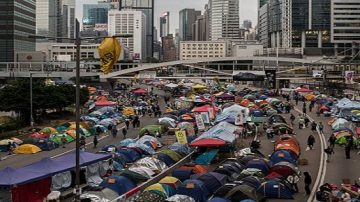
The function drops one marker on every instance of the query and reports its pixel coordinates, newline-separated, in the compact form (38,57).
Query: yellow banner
(109,52)
(181,136)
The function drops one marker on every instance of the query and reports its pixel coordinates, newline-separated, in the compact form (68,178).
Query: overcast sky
(247,10)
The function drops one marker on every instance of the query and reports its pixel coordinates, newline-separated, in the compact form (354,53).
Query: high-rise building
(224,19)
(262,2)
(247,24)
(147,7)
(200,29)
(17,22)
(296,23)
(95,14)
(168,48)
(47,17)
(187,18)
(67,19)
(164,24)
(345,24)
(130,22)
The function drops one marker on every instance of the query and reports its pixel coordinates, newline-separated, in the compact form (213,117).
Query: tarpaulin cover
(223,131)
(208,142)
(46,168)
(180,198)
(142,170)
(34,192)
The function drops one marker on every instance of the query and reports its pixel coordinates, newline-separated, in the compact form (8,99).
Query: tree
(16,97)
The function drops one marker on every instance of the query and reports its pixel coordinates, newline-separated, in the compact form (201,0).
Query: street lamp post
(31,103)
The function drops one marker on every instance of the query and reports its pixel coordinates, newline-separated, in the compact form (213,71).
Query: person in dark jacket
(307,182)
(311,141)
(332,140)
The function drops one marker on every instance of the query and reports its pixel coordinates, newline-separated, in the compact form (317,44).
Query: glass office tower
(17,22)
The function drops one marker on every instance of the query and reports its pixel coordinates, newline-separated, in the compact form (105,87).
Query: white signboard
(205,117)
(199,122)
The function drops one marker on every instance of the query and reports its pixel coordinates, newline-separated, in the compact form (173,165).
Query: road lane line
(323,165)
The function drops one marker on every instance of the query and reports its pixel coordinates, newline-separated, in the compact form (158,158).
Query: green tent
(57,138)
(133,176)
(153,129)
(172,154)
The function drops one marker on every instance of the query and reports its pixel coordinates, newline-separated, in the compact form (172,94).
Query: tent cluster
(35,181)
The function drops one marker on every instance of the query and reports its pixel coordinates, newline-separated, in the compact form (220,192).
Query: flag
(109,52)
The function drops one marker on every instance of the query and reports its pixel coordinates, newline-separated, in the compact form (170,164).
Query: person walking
(127,123)
(313,126)
(307,182)
(304,110)
(82,143)
(109,129)
(9,148)
(332,140)
(307,121)
(329,151)
(321,128)
(348,147)
(114,131)
(292,119)
(95,141)
(124,132)
(63,141)
(301,123)
(311,141)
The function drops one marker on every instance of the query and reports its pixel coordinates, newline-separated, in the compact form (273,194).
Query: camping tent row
(240,179)
(347,109)
(35,181)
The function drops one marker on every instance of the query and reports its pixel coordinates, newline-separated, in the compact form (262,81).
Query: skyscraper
(67,19)
(95,14)
(130,22)
(47,17)
(224,19)
(345,32)
(17,22)
(147,7)
(164,24)
(247,24)
(200,29)
(187,18)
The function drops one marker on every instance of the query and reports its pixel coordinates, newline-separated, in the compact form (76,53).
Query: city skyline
(248,10)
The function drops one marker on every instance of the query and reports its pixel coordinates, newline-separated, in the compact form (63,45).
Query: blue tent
(282,155)
(119,184)
(46,145)
(130,154)
(260,164)
(217,199)
(206,157)
(275,189)
(211,180)
(182,174)
(180,148)
(166,159)
(126,142)
(195,189)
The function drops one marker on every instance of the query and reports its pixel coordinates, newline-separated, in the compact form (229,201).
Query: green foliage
(16,97)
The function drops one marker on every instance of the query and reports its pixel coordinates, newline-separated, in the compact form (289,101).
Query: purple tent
(46,168)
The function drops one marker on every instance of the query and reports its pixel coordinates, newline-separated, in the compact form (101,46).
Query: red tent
(140,91)
(303,90)
(205,108)
(39,135)
(208,142)
(105,103)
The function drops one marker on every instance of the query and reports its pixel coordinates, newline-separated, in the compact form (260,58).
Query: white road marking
(323,165)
